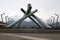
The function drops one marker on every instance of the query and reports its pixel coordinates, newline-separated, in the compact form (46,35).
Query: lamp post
(50,20)
(6,19)
(53,25)
(53,19)
(57,18)
(2,16)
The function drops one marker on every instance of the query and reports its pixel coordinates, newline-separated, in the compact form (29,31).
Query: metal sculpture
(28,13)
(40,22)
(20,20)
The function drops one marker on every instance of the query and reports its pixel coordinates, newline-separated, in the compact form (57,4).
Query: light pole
(50,20)
(57,18)
(53,25)
(9,18)
(2,16)
(53,19)
(6,19)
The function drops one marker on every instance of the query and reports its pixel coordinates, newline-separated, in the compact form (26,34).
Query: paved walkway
(28,36)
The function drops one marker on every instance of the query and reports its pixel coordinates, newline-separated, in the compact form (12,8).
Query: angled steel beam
(29,17)
(20,20)
(42,24)
(28,11)
(9,18)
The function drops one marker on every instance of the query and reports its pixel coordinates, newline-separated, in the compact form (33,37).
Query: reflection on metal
(28,13)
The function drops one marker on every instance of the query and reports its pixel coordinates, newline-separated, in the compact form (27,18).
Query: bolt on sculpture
(28,13)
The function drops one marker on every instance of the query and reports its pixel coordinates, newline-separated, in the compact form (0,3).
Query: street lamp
(57,18)
(50,20)
(6,19)
(53,26)
(2,16)
(53,19)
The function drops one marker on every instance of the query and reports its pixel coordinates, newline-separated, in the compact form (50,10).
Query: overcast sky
(46,8)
